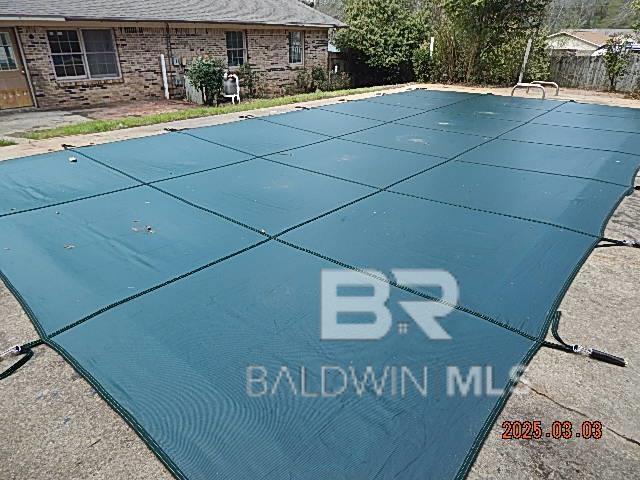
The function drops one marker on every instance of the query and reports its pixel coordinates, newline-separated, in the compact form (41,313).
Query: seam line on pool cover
(601,114)
(269,238)
(57,204)
(543,172)
(153,288)
(336,137)
(117,190)
(326,108)
(586,128)
(571,146)
(492,212)
(409,289)
(399,122)
(475,96)
(329,137)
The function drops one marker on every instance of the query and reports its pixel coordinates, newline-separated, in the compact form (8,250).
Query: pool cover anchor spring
(612,242)
(580,349)
(25,350)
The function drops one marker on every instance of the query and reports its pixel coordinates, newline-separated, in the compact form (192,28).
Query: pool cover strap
(26,353)
(612,242)
(576,348)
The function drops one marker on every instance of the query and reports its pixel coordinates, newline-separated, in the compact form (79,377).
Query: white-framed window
(236,51)
(7,54)
(296,47)
(86,53)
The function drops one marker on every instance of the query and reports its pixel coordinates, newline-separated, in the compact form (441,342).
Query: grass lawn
(6,143)
(94,126)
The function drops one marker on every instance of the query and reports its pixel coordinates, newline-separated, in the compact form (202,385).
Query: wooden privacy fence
(590,72)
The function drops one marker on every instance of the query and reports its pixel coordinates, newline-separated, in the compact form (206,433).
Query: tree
(635,8)
(576,13)
(383,34)
(334,8)
(206,74)
(486,25)
(616,59)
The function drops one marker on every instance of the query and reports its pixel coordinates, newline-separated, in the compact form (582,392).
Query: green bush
(250,81)
(422,64)
(318,76)
(335,81)
(501,65)
(382,36)
(206,75)
(318,80)
(303,82)
(497,64)
(616,60)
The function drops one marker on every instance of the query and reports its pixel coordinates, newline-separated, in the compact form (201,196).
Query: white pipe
(433,39)
(526,59)
(165,81)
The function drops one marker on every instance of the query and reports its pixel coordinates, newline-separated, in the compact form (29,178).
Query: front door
(14,87)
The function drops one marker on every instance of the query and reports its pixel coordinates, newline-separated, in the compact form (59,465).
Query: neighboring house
(72,53)
(583,42)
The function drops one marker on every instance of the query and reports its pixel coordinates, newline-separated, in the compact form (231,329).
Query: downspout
(169,54)
(246,43)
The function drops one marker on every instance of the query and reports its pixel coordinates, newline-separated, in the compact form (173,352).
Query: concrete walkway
(55,426)
(24,121)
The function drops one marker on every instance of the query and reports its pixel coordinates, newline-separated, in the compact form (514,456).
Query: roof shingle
(265,12)
(595,36)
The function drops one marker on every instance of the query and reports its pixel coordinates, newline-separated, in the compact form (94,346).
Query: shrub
(206,75)
(335,81)
(616,60)
(382,36)
(318,77)
(303,82)
(250,81)
(422,64)
(501,65)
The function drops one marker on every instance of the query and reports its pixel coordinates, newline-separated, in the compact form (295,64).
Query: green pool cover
(180,274)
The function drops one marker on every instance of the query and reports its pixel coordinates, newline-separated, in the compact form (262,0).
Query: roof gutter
(23,18)
(13,18)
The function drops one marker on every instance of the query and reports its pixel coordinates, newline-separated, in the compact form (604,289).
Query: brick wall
(139,50)
(269,51)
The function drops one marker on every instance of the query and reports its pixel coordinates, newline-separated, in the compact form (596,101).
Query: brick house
(72,53)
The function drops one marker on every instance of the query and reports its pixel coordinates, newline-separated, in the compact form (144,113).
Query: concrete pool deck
(33,147)
(55,426)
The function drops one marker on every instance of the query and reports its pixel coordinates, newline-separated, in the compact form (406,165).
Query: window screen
(86,53)
(66,53)
(235,48)
(296,47)
(100,50)
(7,55)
